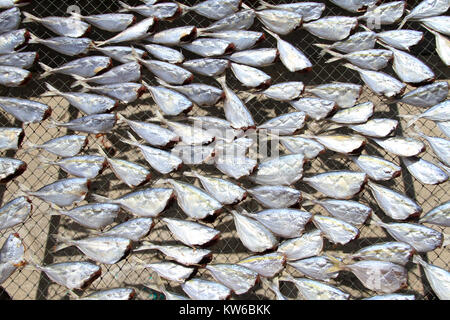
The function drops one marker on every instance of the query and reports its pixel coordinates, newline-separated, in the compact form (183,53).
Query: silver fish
(207,66)
(377,168)
(23,60)
(134,229)
(345,95)
(241,20)
(88,167)
(396,252)
(165,53)
(315,268)
(14,77)
(14,212)
(199,289)
(93,216)
(281,22)
(7,4)
(317,109)
(393,296)
(299,145)
(372,59)
(360,113)
(10,169)
(400,39)
(171,271)
(168,72)
(251,77)
(359,41)
(128,72)
(216,9)
(236,167)
(117,294)
(220,128)
(194,154)
(253,234)
(403,147)
(439,24)
(291,57)
(285,170)
(66,146)
(171,102)
(342,185)
(62,26)
(438,278)
(84,67)
(308,245)
(331,28)
(425,171)
(442,47)
(9,20)
(11,256)
(421,238)
(209,47)
(286,91)
(426,8)
(287,124)
(440,146)
(63,193)
(274,285)
(11,138)
(236,277)
(122,54)
(255,58)
(267,265)
(191,233)
(315,290)
(336,230)
(285,223)
(346,144)
(354,5)
(308,10)
(444,127)
(384,14)
(145,203)
(394,204)
(103,249)
(174,36)
(96,123)
(111,22)
(160,11)
(181,254)
(439,112)
(139,31)
(65,45)
(242,39)
(13,40)
(124,92)
(276,197)
(376,128)
(428,95)
(439,215)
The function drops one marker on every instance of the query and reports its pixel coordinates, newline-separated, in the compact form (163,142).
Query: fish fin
(273,34)
(350,66)
(323,46)
(446,240)
(246,7)
(184,8)
(34,39)
(418,260)
(264,5)
(135,55)
(62,243)
(131,141)
(161,182)
(125,7)
(78,82)
(27,146)
(146,245)
(287,277)
(417,132)
(101,199)
(23,190)
(76,15)
(412,119)
(376,220)
(29,18)
(45,162)
(98,44)
(158,117)
(330,127)
(31,260)
(222,79)
(121,118)
(336,56)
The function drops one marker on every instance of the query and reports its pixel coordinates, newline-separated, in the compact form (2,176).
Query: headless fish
(360,113)
(308,245)
(174,36)
(134,229)
(426,8)
(442,47)
(128,72)
(285,223)
(425,171)
(14,212)
(22,60)
(161,11)
(221,129)
(276,197)
(308,10)
(207,66)
(152,134)
(170,271)
(400,39)
(199,289)
(251,77)
(309,148)
(122,54)
(10,169)
(88,167)
(216,9)
(63,193)
(332,28)
(194,154)
(84,67)
(384,14)
(291,57)
(336,230)
(421,238)
(165,53)
(124,92)
(9,20)
(66,146)
(170,102)
(89,104)
(242,39)
(315,290)
(285,92)
(377,168)
(341,185)
(111,22)
(191,233)
(13,40)
(93,216)
(439,24)
(285,170)
(376,128)
(345,144)
(224,191)
(117,294)
(440,146)
(315,108)
(315,268)
(11,138)
(241,20)
(65,45)
(11,256)
(236,277)
(439,215)
(395,252)
(144,203)
(236,167)
(354,5)
(168,72)
(181,254)
(345,95)
(14,77)
(107,250)
(139,31)
(394,204)
(281,22)
(358,42)
(428,95)
(438,278)
(403,147)
(267,265)
(372,59)
(379,82)
(287,124)
(209,47)
(255,58)
(96,123)
(254,236)
(62,26)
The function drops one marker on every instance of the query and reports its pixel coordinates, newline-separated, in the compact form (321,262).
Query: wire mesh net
(37,231)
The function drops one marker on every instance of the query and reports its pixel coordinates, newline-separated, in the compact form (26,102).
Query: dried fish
(346,144)
(207,66)
(439,24)
(384,14)
(11,169)
(376,128)
(377,168)
(315,290)
(439,215)
(317,109)
(396,252)
(426,8)
(13,40)
(199,289)
(88,167)
(342,185)
(400,39)
(117,294)
(371,59)
(216,9)
(165,53)
(333,28)
(201,94)
(315,268)
(425,171)
(345,95)
(174,36)
(128,72)
(85,67)
(438,278)
(9,20)
(124,92)
(241,20)
(285,91)
(14,212)
(191,233)
(209,47)
(308,10)
(236,277)
(122,54)
(11,256)
(242,39)
(96,123)
(354,5)
(22,60)
(336,230)
(139,31)
(66,146)
(357,42)
(401,146)
(111,22)
(281,22)
(11,138)
(285,170)
(160,11)
(276,197)
(360,113)
(308,245)
(63,26)
(287,124)
(267,265)
(65,45)
(428,95)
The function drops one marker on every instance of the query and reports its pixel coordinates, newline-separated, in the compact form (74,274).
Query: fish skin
(371,59)
(345,95)
(439,112)
(165,53)
(345,144)
(287,124)
(365,40)
(261,57)
(170,102)
(439,215)
(425,171)
(210,67)
(440,147)
(11,138)
(384,14)
(400,146)
(285,170)
(442,47)
(308,10)
(134,229)
(111,22)
(236,167)
(138,31)
(174,36)
(332,28)
(358,114)
(267,265)
(336,230)
(396,252)
(84,67)
(299,145)
(426,8)
(66,146)
(394,204)
(377,168)
(11,256)
(236,277)
(354,5)
(122,54)
(168,72)
(10,169)
(10,20)
(250,76)
(241,20)
(341,185)
(315,108)
(116,294)
(13,40)
(308,245)
(218,127)
(315,268)
(444,127)
(124,92)
(400,39)
(14,77)
(393,296)
(128,72)
(286,91)
(149,202)
(62,26)
(439,24)
(88,167)
(199,289)
(191,233)
(351,212)
(315,290)
(22,60)
(276,197)
(428,95)
(171,271)
(209,47)
(161,11)
(216,9)
(281,22)
(96,123)
(194,154)
(438,278)
(66,45)
(14,212)
(93,216)
(253,235)
(376,128)
(242,39)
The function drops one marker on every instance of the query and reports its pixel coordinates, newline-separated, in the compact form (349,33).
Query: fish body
(287,124)
(171,271)
(128,72)
(371,59)
(13,40)
(438,278)
(93,216)
(209,47)
(349,211)
(165,53)
(66,146)
(111,22)
(11,138)
(251,77)
(428,95)
(171,102)
(14,212)
(345,95)
(124,92)
(315,268)
(216,9)
(13,76)
(276,197)
(85,67)
(439,215)
(242,39)
(316,290)
(336,230)
(66,45)
(299,145)
(403,147)
(201,94)
(123,54)
(241,20)
(308,245)
(333,28)
(315,108)
(308,10)
(376,128)
(181,254)
(9,20)
(191,233)
(396,252)
(400,39)
(117,294)
(359,41)
(88,167)
(286,91)
(62,26)
(96,123)
(267,265)
(426,8)
(393,296)
(22,60)
(360,113)
(285,170)
(345,144)
(439,24)
(207,66)
(160,11)
(281,22)
(384,14)
(139,31)
(134,229)
(236,277)
(354,5)
(168,72)
(377,168)
(174,36)
(425,171)
(199,289)
(10,169)
(11,256)
(342,185)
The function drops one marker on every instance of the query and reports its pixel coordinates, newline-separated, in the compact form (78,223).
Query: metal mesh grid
(37,230)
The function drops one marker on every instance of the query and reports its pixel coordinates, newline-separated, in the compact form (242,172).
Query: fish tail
(52,91)
(121,118)
(191,174)
(79,81)
(102,152)
(418,260)
(412,121)
(135,55)
(376,220)
(287,277)
(47,70)
(158,117)
(62,243)
(273,34)
(246,7)
(34,39)
(338,265)
(97,44)
(29,17)
(30,146)
(184,8)
(44,161)
(146,245)
(101,199)
(131,141)
(446,241)
(31,260)
(163,83)
(222,80)
(250,97)
(403,23)
(264,5)
(366,28)
(125,7)
(350,66)
(54,124)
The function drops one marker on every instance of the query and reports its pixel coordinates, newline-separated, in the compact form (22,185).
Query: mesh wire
(37,231)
